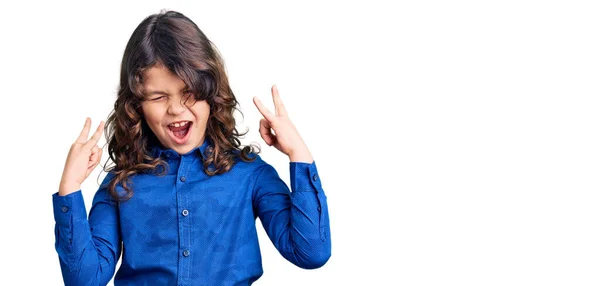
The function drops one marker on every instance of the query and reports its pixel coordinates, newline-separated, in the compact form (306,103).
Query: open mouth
(180,131)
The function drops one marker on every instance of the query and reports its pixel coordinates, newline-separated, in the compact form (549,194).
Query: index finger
(263,110)
(94,140)
(84,133)
(279,108)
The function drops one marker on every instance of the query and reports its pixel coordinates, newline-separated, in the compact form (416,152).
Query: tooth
(179,124)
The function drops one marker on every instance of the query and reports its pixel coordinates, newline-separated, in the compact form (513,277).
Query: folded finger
(268,138)
(265,132)
(95,158)
(99,157)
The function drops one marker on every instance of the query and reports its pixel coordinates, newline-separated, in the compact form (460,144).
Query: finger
(265,132)
(99,157)
(263,110)
(279,107)
(94,160)
(94,140)
(268,139)
(95,157)
(84,133)
(95,150)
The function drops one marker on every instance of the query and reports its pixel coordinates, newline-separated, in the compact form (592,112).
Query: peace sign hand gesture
(83,157)
(284,137)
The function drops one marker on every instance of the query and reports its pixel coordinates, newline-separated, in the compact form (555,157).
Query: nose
(176,106)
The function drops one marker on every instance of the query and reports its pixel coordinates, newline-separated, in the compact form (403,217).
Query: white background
(457,141)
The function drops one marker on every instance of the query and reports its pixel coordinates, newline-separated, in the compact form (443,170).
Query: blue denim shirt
(188,228)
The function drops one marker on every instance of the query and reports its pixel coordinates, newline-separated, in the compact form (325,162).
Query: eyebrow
(160,92)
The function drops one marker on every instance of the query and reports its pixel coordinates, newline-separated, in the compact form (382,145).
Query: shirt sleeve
(88,249)
(296,222)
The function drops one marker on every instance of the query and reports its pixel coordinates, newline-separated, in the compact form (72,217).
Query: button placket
(184,224)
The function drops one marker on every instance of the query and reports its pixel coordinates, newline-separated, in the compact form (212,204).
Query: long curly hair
(172,40)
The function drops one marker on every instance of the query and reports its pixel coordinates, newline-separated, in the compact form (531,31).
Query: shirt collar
(159,151)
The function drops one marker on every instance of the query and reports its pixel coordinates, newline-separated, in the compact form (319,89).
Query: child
(182,197)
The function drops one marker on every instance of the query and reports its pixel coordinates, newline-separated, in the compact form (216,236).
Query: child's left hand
(284,137)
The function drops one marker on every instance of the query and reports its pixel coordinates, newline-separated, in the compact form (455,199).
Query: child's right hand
(83,157)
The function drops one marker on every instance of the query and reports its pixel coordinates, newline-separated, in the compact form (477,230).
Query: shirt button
(315,177)
(319,208)
(184,212)
(182,178)
(64,209)
(186,253)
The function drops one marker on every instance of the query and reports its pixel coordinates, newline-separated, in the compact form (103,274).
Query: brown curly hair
(172,40)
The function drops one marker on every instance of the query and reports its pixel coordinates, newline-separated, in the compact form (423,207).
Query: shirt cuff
(68,207)
(304,177)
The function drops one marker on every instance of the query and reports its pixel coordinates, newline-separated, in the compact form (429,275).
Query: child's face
(164,106)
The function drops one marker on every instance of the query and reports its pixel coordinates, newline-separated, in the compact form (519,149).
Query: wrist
(67,188)
(301,157)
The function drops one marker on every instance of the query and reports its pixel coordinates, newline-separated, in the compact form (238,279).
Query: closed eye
(157,98)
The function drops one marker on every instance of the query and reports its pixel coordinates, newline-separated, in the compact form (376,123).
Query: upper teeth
(178,124)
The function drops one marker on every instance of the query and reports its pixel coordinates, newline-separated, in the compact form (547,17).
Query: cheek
(202,112)
(152,116)
(205,117)
(155,124)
